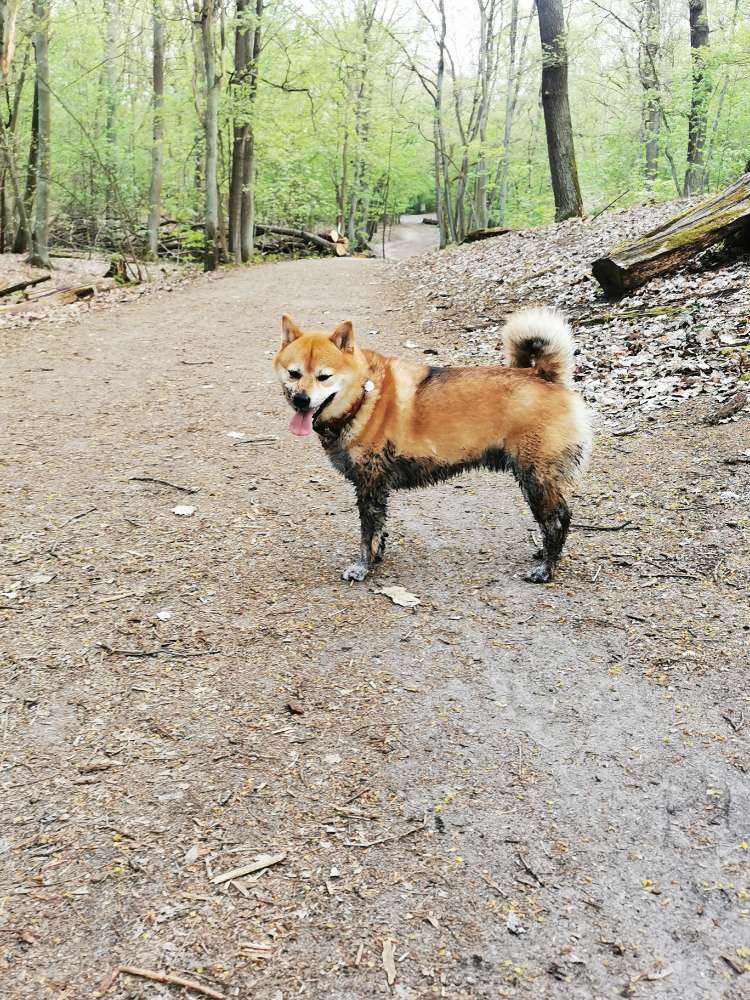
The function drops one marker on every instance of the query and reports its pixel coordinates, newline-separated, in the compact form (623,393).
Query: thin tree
(695,174)
(110,104)
(359,198)
(240,124)
(39,256)
(157,147)
(489,34)
(247,197)
(648,62)
(206,13)
(513,86)
(557,121)
(8,16)
(25,203)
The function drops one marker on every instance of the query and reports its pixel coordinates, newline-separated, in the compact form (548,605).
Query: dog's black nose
(301,400)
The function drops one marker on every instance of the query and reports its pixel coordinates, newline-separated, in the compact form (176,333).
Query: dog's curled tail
(540,339)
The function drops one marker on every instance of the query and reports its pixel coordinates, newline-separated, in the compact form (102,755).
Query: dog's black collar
(331,429)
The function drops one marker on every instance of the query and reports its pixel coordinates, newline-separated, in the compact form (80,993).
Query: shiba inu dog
(389,424)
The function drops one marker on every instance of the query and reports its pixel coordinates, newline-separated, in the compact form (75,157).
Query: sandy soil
(516,791)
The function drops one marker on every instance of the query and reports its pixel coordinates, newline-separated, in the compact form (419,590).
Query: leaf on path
(389,961)
(191,856)
(400,596)
(182,510)
(514,925)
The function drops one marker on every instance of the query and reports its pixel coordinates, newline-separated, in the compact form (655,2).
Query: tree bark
(695,175)
(8,15)
(557,121)
(207,15)
(669,246)
(648,62)
(39,237)
(24,205)
(247,199)
(110,102)
(240,128)
(157,148)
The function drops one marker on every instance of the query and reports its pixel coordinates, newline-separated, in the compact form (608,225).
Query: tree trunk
(157,149)
(24,205)
(695,175)
(359,200)
(648,62)
(39,237)
(247,199)
(211,127)
(110,100)
(664,249)
(560,146)
(239,123)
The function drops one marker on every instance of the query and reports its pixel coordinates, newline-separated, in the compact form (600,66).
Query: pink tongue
(301,423)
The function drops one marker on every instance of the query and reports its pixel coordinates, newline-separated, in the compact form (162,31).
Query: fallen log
(60,296)
(485,234)
(671,245)
(299,234)
(430,222)
(20,285)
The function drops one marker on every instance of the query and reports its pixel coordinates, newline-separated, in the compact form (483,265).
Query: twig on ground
(115,597)
(262,440)
(167,978)
(77,517)
(196,362)
(266,861)
(736,726)
(492,885)
(388,840)
(141,653)
(737,460)
(528,869)
(605,527)
(163,482)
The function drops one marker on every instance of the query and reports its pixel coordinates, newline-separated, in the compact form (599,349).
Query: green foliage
(309,114)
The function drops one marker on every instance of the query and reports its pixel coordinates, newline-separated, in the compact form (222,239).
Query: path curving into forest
(500,783)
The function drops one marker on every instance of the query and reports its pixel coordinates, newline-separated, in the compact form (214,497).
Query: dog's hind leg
(373,509)
(553,516)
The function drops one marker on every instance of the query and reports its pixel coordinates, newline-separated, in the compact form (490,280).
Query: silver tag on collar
(368,386)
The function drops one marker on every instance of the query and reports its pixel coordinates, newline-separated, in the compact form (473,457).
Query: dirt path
(531,792)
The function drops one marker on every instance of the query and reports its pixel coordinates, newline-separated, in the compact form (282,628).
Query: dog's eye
(295,375)
(324,378)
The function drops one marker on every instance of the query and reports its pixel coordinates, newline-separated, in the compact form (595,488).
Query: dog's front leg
(373,508)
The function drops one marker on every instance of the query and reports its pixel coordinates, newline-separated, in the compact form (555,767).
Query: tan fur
(455,416)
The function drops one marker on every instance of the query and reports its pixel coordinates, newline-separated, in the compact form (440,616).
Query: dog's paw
(541,573)
(357,571)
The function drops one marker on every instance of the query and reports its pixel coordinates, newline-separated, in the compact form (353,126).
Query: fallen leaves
(389,960)
(400,596)
(679,337)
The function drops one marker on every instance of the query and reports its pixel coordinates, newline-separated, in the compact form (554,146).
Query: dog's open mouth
(301,423)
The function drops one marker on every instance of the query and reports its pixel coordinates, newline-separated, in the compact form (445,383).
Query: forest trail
(510,791)
(411,236)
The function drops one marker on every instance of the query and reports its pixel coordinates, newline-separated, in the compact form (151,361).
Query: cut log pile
(68,295)
(726,216)
(184,240)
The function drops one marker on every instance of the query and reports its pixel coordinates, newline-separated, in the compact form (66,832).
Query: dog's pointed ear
(289,330)
(343,336)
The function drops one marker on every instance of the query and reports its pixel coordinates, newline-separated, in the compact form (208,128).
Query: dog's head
(318,372)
